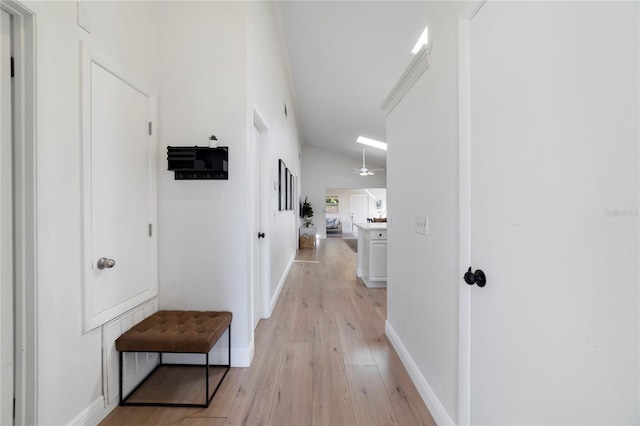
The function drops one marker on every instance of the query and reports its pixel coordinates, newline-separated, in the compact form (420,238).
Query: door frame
(464,203)
(25,207)
(90,319)
(259,122)
(7,283)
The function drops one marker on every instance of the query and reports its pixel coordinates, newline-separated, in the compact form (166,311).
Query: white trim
(276,294)
(88,56)
(92,415)
(114,69)
(464,233)
(26,262)
(464,203)
(260,123)
(258,120)
(416,68)
(437,410)
(242,357)
(470,10)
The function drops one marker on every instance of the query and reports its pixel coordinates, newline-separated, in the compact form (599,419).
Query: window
(332,204)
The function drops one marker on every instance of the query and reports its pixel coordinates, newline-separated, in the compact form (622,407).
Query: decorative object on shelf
(307,213)
(213,141)
(198,163)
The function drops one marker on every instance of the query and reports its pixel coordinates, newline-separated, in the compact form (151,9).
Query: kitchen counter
(370,226)
(372,254)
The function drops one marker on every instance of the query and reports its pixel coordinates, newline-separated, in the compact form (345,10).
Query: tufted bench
(176,332)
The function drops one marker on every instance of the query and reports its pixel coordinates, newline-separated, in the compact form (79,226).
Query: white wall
(195,57)
(423,272)
(422,160)
(270,89)
(69,362)
(203,225)
(323,169)
(224,61)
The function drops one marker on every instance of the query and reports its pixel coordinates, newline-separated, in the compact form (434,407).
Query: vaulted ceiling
(345,58)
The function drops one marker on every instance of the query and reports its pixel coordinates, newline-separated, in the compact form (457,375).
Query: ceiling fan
(363,171)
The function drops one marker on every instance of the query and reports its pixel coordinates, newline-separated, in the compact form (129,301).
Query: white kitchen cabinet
(372,254)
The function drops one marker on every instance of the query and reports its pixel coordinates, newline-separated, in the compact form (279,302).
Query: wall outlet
(422,224)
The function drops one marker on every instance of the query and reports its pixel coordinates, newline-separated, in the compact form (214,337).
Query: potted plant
(213,141)
(307,213)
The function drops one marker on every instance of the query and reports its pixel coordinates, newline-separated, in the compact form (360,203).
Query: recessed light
(424,39)
(372,142)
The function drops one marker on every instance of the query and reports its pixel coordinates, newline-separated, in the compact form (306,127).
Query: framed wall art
(282,190)
(287,185)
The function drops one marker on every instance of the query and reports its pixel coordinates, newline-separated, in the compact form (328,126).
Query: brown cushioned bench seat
(176,332)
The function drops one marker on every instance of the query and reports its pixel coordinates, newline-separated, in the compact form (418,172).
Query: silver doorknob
(103,262)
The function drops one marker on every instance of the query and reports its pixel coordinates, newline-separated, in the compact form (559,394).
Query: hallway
(322,359)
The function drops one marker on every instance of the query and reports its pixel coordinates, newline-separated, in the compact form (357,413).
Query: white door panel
(120,188)
(358,209)
(554,146)
(120,192)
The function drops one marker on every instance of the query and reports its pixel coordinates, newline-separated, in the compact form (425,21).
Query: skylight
(424,39)
(372,142)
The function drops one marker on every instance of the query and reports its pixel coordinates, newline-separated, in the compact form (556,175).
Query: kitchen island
(372,254)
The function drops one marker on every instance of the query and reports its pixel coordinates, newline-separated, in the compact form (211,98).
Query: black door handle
(260,235)
(478,277)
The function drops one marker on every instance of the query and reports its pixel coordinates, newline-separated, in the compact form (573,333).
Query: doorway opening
(346,207)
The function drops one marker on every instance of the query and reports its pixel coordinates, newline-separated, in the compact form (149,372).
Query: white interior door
(120,196)
(6,227)
(256,228)
(554,213)
(358,209)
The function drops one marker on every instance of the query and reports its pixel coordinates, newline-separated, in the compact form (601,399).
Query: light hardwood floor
(321,359)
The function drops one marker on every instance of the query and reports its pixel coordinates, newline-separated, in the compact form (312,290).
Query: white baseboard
(283,278)
(439,413)
(92,415)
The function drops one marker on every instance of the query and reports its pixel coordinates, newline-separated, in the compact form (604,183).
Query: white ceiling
(345,58)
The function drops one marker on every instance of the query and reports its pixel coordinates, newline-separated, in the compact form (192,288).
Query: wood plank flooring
(321,359)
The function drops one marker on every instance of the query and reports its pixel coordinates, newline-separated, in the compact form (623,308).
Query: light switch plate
(422,224)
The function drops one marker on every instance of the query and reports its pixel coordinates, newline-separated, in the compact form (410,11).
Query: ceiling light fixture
(372,142)
(424,39)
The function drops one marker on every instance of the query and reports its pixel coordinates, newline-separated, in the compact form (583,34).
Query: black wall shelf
(198,162)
